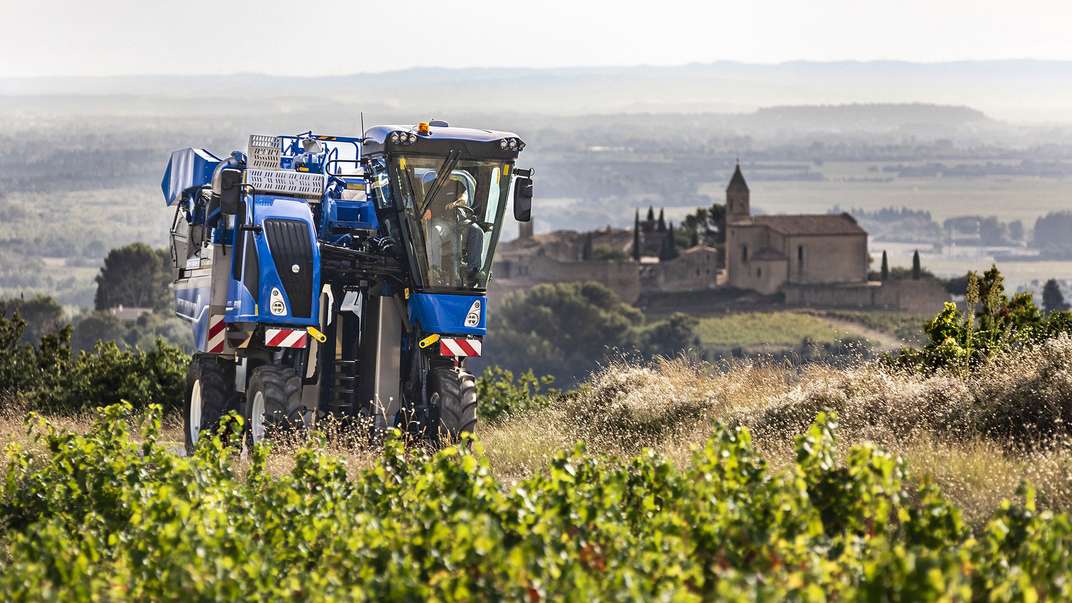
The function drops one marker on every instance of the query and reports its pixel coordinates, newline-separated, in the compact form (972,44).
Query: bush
(26,367)
(992,325)
(94,327)
(48,377)
(101,516)
(41,313)
(567,330)
(501,397)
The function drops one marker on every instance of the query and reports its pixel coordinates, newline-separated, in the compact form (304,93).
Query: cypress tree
(1052,298)
(885,267)
(636,237)
(662,221)
(917,270)
(586,248)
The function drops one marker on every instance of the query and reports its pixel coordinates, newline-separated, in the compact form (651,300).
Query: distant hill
(865,116)
(1017,90)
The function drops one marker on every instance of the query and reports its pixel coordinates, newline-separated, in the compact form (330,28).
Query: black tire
(280,408)
(209,396)
(454,404)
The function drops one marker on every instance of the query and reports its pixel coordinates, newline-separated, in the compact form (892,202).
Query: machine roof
(380,133)
(376,137)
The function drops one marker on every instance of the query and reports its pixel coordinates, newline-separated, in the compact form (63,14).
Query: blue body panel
(339,215)
(192,304)
(445,313)
(241,304)
(187,169)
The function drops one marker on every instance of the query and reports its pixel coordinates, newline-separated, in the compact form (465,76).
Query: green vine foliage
(990,324)
(111,516)
(502,395)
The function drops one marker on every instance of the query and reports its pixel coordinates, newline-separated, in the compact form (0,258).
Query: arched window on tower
(800,259)
(744,253)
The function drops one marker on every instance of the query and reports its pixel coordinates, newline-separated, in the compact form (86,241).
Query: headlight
(513,144)
(502,144)
(412,138)
(520,146)
(394,137)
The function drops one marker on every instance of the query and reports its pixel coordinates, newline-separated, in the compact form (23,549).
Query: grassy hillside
(775,331)
(768,329)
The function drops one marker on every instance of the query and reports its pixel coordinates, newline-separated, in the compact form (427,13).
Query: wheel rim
(257,419)
(195,411)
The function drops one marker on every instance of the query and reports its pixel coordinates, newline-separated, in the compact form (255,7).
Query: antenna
(362,123)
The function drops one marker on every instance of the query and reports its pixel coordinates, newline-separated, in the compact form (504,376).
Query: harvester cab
(338,275)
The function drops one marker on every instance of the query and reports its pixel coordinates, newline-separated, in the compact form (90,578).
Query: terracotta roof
(737,180)
(810,224)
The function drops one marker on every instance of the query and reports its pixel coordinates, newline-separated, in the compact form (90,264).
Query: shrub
(25,366)
(992,325)
(501,397)
(101,516)
(568,329)
(48,377)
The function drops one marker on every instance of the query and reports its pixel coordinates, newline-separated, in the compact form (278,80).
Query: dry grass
(978,437)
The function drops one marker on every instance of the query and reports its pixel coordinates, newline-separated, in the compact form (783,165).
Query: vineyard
(108,516)
(939,474)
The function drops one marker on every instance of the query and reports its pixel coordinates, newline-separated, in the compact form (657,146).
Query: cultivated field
(977,437)
(668,498)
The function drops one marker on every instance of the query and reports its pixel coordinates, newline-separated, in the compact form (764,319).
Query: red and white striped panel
(217,334)
(460,346)
(285,338)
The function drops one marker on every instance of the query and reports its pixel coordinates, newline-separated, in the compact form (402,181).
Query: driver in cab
(440,223)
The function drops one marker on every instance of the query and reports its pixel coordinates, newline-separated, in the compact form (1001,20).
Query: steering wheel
(467,216)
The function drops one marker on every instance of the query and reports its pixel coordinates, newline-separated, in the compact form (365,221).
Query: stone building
(629,262)
(811,260)
(692,269)
(765,253)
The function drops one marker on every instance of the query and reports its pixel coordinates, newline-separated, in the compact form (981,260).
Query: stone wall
(521,272)
(695,268)
(924,296)
(827,258)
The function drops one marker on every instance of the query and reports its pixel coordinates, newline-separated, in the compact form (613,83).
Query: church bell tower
(737,197)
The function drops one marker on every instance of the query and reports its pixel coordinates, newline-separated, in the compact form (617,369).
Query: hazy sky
(317,37)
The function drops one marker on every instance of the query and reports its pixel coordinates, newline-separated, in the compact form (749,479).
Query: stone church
(768,253)
(809,260)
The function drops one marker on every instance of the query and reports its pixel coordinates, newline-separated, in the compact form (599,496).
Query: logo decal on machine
(276,304)
(472,319)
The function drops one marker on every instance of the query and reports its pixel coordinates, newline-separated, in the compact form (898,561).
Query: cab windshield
(453,210)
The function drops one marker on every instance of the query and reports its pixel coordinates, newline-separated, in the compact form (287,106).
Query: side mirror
(230,191)
(523,199)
